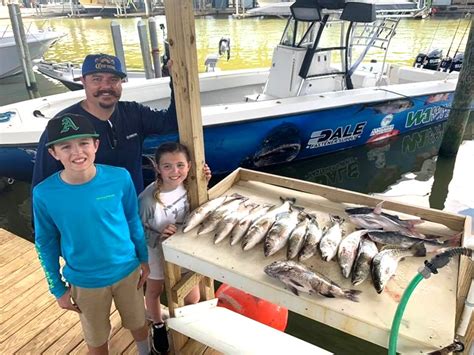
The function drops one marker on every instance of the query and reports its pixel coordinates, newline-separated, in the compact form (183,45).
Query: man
(122,126)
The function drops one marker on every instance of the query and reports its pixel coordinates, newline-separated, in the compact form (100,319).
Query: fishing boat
(38,44)
(319,95)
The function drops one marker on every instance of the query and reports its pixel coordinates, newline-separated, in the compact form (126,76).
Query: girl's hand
(207,172)
(169,230)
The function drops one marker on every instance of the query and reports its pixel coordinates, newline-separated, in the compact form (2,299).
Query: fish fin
(454,241)
(327,294)
(389,246)
(352,295)
(337,219)
(294,290)
(419,248)
(378,207)
(292,200)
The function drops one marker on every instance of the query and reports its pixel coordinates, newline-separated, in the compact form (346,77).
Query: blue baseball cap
(102,63)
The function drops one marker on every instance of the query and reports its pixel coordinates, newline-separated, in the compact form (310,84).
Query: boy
(88,214)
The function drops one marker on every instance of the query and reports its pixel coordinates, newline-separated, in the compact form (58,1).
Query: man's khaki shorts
(95,304)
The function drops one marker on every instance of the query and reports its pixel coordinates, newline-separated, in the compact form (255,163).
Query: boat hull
(260,134)
(38,44)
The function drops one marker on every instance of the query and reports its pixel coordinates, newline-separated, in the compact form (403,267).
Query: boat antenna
(464,33)
(452,41)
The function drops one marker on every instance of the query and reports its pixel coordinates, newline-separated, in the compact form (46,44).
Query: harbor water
(389,168)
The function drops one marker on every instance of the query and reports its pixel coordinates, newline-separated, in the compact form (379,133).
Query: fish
(243,226)
(225,225)
(211,222)
(299,278)
(297,239)
(312,239)
(385,263)
(261,226)
(280,232)
(282,144)
(200,213)
(347,251)
(390,107)
(331,239)
(363,262)
(374,218)
(401,240)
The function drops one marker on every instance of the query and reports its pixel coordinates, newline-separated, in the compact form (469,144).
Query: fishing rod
(462,38)
(445,64)
(422,59)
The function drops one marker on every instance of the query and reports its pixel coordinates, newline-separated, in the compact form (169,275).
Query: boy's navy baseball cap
(102,63)
(69,126)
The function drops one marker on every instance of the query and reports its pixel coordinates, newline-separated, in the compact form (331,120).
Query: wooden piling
(23,51)
(463,98)
(184,71)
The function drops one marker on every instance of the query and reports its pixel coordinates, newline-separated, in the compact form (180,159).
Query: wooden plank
(28,257)
(225,184)
(451,220)
(233,333)
(369,319)
(182,41)
(31,328)
(13,249)
(5,236)
(20,268)
(184,286)
(48,335)
(21,286)
(120,341)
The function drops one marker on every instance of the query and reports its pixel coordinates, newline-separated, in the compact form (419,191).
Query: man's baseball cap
(69,126)
(102,63)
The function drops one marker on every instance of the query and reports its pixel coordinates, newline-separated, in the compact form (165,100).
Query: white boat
(38,44)
(306,105)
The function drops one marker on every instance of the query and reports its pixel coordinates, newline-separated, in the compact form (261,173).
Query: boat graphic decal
(424,116)
(339,135)
(6,116)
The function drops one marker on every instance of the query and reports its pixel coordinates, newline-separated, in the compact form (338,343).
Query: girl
(163,206)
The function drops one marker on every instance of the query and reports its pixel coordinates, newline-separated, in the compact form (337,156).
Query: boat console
(325,42)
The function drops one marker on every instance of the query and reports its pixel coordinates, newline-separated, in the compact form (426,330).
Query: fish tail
(352,295)
(292,200)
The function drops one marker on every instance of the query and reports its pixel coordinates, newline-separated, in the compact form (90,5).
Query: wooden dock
(31,322)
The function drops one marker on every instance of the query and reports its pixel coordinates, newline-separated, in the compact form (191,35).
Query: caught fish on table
(363,262)
(225,225)
(297,239)
(211,222)
(312,239)
(259,229)
(347,251)
(300,278)
(280,232)
(401,240)
(374,218)
(331,239)
(199,214)
(385,263)
(243,226)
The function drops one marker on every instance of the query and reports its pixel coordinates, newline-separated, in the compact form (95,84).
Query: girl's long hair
(168,147)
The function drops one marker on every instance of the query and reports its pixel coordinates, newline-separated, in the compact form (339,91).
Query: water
(382,168)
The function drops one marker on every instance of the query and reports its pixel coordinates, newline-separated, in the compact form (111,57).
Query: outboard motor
(433,59)
(224,46)
(420,60)
(456,64)
(445,64)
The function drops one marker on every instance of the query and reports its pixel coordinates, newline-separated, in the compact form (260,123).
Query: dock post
(23,50)
(184,71)
(155,49)
(118,45)
(145,48)
(462,102)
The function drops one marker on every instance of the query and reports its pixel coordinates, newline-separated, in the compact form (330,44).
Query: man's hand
(144,272)
(66,302)
(207,172)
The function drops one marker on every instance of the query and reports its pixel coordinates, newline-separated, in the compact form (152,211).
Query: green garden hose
(425,272)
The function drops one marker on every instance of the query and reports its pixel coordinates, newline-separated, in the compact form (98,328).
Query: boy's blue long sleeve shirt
(94,226)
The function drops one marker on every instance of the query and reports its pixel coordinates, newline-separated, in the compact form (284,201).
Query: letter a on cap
(68,124)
